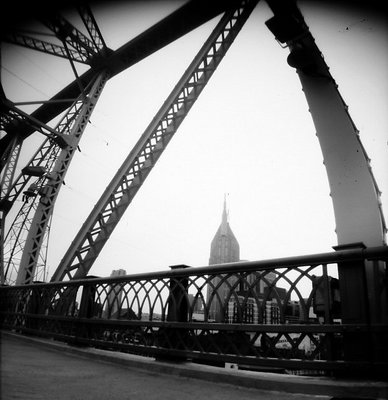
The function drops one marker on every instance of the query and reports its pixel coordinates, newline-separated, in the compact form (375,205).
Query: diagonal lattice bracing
(54,161)
(135,169)
(43,46)
(188,17)
(91,26)
(41,168)
(55,179)
(68,34)
(9,171)
(51,161)
(11,114)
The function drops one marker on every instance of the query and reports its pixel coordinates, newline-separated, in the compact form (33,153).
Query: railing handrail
(371,253)
(289,313)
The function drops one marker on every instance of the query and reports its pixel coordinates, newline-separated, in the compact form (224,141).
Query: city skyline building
(224,248)
(114,297)
(256,299)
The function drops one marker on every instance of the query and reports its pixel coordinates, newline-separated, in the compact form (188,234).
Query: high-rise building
(224,246)
(224,249)
(114,297)
(242,304)
(118,272)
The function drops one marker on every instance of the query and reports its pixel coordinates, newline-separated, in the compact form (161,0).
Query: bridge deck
(42,369)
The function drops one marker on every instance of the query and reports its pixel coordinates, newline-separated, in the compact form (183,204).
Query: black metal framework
(92,50)
(123,187)
(282,313)
(188,17)
(47,167)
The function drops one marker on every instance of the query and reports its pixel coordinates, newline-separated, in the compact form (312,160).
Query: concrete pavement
(43,369)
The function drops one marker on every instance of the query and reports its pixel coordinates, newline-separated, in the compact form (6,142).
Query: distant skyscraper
(224,249)
(224,246)
(246,297)
(114,295)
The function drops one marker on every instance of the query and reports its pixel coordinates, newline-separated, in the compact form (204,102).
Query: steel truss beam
(40,165)
(53,182)
(91,25)
(9,172)
(83,51)
(118,195)
(55,161)
(14,121)
(43,46)
(191,15)
(16,238)
(11,114)
(5,184)
(68,34)
(47,153)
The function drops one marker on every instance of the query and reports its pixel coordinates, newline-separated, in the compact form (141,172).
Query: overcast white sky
(250,135)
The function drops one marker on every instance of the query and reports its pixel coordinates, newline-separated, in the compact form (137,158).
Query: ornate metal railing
(283,313)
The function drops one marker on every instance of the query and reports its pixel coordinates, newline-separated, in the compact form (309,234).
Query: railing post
(354,304)
(177,305)
(34,305)
(86,310)
(176,338)
(380,307)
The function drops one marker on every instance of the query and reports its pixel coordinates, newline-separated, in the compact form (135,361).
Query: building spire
(225,215)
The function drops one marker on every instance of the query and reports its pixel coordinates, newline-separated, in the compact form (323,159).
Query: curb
(345,389)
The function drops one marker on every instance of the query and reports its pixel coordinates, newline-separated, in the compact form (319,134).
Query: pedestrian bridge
(291,316)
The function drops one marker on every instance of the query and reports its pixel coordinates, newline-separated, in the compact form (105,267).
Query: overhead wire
(102,132)
(24,81)
(38,66)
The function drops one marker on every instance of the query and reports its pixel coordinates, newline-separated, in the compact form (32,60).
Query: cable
(104,133)
(24,81)
(38,66)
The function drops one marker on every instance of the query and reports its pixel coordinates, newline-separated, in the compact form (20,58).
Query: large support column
(353,189)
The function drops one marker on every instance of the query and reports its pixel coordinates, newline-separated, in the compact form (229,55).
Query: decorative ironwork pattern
(283,313)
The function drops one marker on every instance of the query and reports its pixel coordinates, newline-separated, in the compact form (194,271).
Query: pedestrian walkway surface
(42,369)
